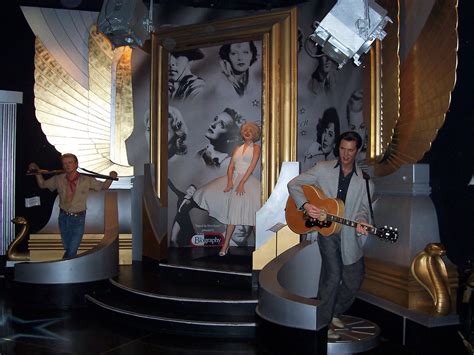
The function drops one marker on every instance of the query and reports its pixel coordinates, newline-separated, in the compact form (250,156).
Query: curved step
(99,263)
(281,298)
(231,298)
(204,266)
(175,321)
(191,300)
(149,282)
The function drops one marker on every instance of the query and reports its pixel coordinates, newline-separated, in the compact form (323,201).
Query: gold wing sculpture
(427,78)
(92,122)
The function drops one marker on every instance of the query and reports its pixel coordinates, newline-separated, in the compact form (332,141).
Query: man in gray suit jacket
(342,265)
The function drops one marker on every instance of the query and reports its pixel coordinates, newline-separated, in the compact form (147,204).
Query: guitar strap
(367,178)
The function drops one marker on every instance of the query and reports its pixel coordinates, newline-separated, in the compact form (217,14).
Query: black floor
(84,332)
(25,330)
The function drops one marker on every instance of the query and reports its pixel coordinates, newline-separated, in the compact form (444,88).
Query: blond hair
(255,130)
(69,155)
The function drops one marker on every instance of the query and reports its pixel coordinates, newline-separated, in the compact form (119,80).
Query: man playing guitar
(342,264)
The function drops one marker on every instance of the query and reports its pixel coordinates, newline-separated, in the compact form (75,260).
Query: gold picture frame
(278,33)
(382,87)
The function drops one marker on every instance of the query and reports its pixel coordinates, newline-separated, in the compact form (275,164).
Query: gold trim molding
(382,81)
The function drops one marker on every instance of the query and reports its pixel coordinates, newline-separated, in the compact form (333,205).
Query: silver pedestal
(357,336)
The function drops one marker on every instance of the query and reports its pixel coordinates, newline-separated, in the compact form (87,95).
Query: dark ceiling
(95,5)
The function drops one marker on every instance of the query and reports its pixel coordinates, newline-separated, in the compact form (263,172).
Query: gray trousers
(338,283)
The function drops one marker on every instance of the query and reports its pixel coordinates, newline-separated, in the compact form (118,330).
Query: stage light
(125,22)
(349,29)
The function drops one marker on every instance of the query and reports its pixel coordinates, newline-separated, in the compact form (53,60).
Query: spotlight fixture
(349,29)
(125,22)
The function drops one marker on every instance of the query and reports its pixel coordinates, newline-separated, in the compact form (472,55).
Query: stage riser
(396,284)
(206,277)
(195,293)
(412,336)
(201,307)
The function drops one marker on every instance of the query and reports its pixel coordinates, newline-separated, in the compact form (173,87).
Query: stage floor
(86,331)
(26,331)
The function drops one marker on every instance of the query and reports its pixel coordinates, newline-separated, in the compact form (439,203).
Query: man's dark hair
(191,54)
(350,136)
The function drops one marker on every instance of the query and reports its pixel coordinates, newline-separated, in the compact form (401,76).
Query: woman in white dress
(235,198)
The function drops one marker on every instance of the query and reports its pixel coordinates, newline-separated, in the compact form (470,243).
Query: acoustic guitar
(331,219)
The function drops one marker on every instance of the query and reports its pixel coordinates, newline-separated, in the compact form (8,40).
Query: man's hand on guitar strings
(312,211)
(362,228)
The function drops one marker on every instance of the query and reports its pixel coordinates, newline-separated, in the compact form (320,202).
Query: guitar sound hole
(316,223)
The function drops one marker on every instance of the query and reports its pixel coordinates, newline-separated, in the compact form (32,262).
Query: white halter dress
(230,208)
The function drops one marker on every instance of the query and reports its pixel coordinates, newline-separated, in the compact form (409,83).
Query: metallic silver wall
(8,102)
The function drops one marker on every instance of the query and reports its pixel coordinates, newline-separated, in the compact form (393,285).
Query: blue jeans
(72,230)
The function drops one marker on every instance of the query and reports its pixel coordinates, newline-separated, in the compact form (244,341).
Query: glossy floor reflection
(85,331)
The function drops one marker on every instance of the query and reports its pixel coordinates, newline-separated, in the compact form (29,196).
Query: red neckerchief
(72,184)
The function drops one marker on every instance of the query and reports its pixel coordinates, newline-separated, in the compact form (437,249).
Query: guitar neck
(348,222)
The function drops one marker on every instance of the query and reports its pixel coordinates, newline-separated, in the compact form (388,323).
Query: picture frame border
(278,33)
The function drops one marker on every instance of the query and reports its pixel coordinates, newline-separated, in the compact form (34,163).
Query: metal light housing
(124,22)
(349,29)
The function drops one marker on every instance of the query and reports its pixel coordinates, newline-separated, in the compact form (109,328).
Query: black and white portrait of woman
(327,131)
(355,120)
(177,133)
(323,79)
(235,61)
(223,135)
(182,83)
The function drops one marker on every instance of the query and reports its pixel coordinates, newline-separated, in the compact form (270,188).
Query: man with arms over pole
(73,189)
(342,264)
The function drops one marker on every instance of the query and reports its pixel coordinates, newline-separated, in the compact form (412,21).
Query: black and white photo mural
(329,99)
(212,93)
